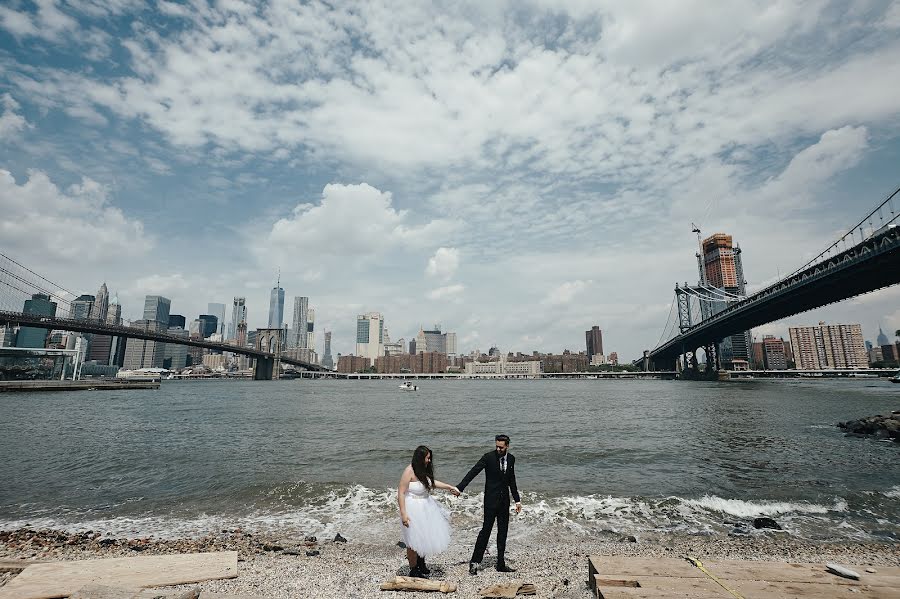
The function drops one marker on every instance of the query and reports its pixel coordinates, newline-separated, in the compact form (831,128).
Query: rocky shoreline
(340,568)
(880,427)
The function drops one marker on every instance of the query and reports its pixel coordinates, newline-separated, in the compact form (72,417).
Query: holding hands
(456,492)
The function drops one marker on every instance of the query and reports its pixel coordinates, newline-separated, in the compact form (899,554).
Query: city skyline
(525,160)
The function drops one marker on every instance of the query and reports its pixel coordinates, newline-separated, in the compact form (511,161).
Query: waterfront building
(177,321)
(297,337)
(8,336)
(217,310)
(565,362)
(350,363)
(39,305)
(80,308)
(393,348)
(502,366)
(175,355)
(144,353)
(875,355)
(369,336)
(613,358)
(327,360)
(276,306)
(238,315)
(101,305)
(828,346)
(723,268)
(773,353)
(593,340)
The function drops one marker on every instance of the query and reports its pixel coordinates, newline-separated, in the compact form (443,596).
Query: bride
(426,525)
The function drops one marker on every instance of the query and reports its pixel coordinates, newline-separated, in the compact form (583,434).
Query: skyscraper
(101,305)
(882,339)
(297,338)
(311,329)
(116,344)
(723,268)
(276,306)
(370,335)
(594,341)
(217,310)
(238,315)
(80,308)
(156,308)
(39,304)
(327,360)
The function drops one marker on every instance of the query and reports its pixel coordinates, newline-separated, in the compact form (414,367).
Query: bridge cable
(39,276)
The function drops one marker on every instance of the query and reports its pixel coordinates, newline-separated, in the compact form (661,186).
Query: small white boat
(895,378)
(408,386)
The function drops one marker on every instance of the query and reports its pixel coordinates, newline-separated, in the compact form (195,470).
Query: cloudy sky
(515,171)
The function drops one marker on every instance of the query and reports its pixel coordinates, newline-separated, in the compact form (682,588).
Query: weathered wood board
(678,578)
(61,579)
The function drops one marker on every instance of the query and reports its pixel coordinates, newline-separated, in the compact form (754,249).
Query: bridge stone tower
(272,341)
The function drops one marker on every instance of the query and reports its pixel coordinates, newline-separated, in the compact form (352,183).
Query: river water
(315,457)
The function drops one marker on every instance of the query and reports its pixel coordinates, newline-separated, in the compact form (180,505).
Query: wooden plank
(735,570)
(14,565)
(654,587)
(812,590)
(61,579)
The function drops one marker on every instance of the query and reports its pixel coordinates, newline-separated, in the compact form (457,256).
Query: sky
(516,172)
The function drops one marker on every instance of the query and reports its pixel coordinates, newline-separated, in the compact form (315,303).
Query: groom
(499,481)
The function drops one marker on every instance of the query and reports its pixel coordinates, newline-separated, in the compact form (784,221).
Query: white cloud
(67,225)
(443,264)
(11,123)
(446,292)
(566,292)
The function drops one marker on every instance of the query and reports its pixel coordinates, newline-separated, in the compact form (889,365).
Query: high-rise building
(297,337)
(276,306)
(773,353)
(828,346)
(882,339)
(217,310)
(177,321)
(175,355)
(238,315)
(80,308)
(39,304)
(143,353)
(327,360)
(209,325)
(723,268)
(116,344)
(311,329)
(431,341)
(450,344)
(101,305)
(156,308)
(594,341)
(369,335)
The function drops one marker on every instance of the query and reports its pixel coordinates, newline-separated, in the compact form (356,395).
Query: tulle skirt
(428,532)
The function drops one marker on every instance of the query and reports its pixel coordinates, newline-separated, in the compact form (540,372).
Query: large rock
(882,427)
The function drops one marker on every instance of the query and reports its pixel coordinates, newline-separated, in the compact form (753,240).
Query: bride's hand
(455,491)
(405,519)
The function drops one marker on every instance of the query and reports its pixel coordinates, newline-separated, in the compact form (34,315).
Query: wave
(369,514)
(894,493)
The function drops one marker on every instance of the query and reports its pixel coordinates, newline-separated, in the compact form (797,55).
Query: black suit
(497,488)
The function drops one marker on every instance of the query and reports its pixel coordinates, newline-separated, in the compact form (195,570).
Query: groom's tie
(503,464)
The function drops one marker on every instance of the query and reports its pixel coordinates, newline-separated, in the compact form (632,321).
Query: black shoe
(473,568)
(415,572)
(504,568)
(422,567)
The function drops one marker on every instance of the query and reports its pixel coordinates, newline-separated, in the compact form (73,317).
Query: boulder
(765,522)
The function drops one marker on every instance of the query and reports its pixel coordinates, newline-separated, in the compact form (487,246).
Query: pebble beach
(316,567)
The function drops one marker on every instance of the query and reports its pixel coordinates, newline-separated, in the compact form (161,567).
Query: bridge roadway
(870,265)
(87,326)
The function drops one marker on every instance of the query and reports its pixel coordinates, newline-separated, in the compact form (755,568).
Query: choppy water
(323,456)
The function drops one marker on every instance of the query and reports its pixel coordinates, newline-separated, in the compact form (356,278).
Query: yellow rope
(699,564)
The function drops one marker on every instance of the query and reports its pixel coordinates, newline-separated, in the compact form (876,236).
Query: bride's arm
(401,494)
(442,485)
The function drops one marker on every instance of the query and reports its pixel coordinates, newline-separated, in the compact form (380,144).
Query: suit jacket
(497,484)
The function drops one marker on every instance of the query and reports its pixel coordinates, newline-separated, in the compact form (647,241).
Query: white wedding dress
(428,532)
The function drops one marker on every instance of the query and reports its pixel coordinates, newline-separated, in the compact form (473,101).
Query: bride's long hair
(424,472)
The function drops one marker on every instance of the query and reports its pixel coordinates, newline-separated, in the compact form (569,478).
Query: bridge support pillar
(263,369)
